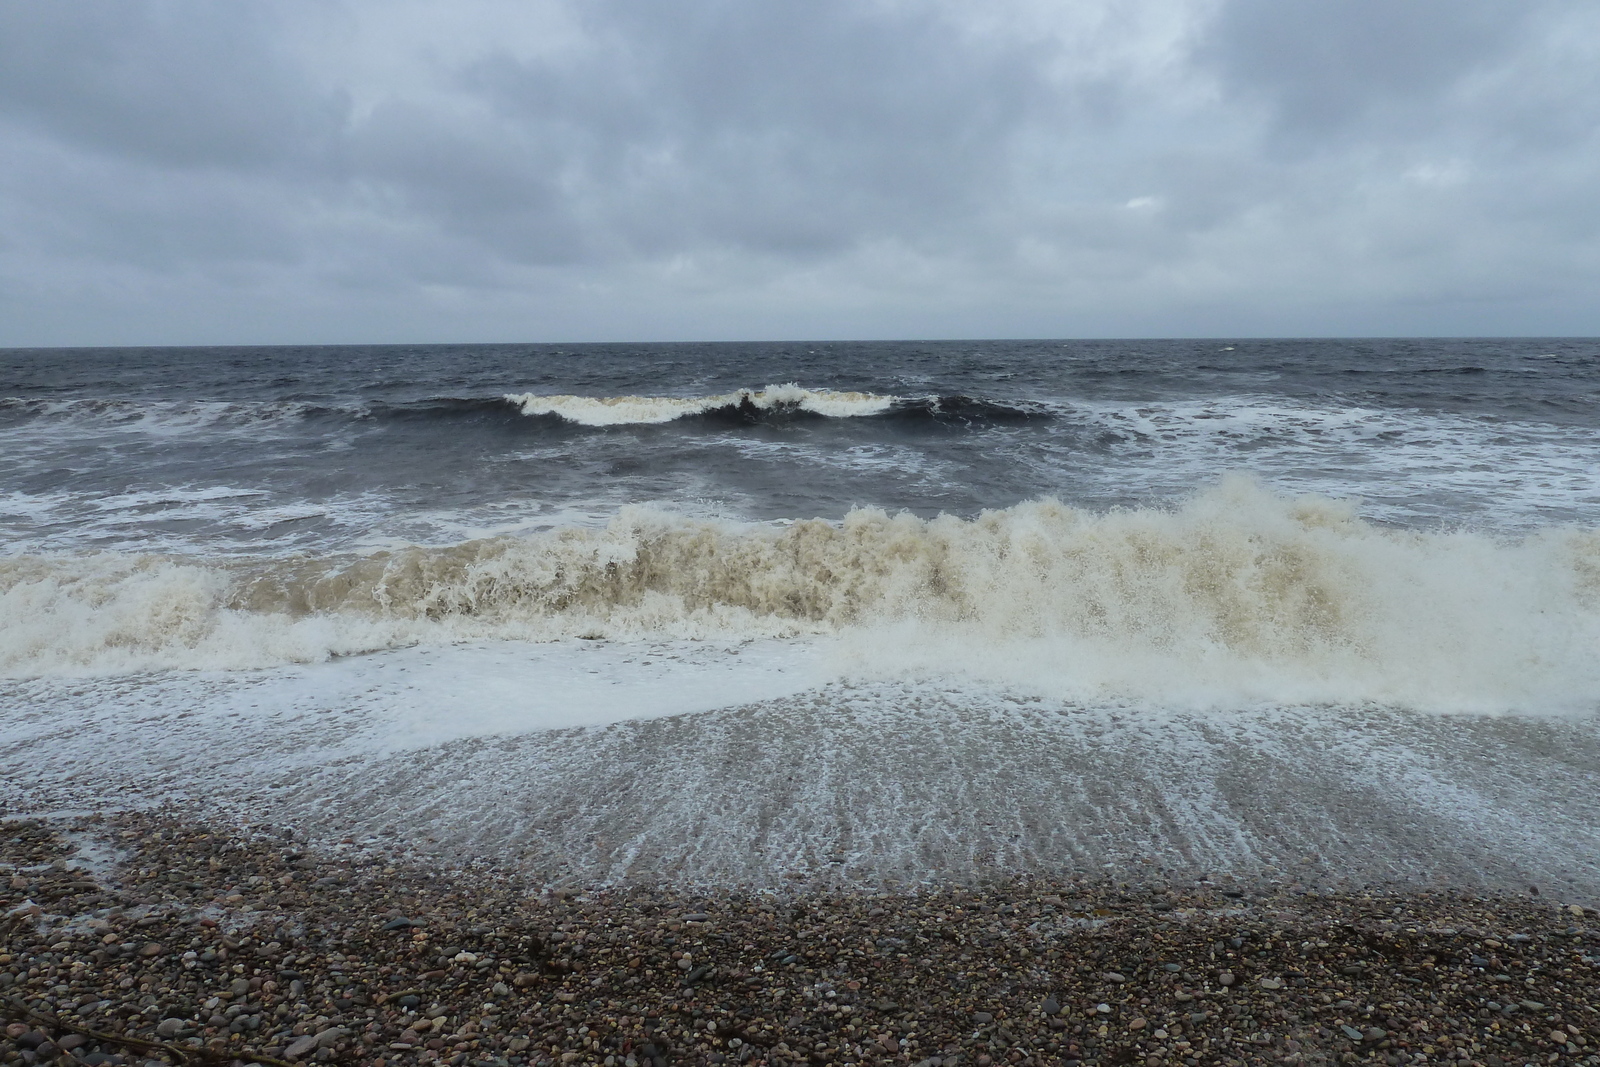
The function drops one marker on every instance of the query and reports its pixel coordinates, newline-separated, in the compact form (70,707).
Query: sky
(331,171)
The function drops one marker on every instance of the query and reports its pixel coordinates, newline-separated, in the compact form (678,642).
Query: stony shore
(209,944)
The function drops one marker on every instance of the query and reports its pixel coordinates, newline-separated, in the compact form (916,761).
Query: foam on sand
(846,784)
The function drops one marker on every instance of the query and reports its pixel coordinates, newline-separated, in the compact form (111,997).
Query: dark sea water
(315,449)
(297,558)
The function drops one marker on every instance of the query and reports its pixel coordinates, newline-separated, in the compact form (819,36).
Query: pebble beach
(150,938)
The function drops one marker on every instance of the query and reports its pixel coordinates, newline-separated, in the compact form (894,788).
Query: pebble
(483,972)
(301,1046)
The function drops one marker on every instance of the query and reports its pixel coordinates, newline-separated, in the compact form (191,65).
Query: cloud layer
(184,172)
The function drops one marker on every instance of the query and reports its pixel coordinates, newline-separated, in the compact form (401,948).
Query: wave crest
(775,401)
(1239,594)
(645,410)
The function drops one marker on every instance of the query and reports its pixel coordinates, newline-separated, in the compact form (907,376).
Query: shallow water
(830,784)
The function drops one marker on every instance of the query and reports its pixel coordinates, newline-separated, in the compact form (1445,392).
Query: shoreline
(862,786)
(226,940)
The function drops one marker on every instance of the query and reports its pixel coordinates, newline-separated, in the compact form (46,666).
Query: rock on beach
(269,947)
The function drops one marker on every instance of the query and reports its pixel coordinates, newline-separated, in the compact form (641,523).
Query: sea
(1322,611)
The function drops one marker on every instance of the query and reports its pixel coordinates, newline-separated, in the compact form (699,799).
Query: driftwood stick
(182,1053)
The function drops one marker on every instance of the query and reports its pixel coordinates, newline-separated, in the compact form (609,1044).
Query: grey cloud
(1324,66)
(186,84)
(1362,69)
(492,184)
(790,128)
(788,165)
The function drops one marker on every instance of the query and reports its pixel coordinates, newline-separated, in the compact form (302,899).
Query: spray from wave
(1239,595)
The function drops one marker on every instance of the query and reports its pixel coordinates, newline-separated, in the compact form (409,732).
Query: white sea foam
(93,417)
(1405,464)
(235,521)
(704,764)
(637,410)
(1238,596)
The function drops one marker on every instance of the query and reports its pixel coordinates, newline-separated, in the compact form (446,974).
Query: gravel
(232,943)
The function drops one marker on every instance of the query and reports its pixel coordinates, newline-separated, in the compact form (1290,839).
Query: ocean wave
(756,405)
(644,410)
(173,418)
(156,417)
(1239,595)
(775,402)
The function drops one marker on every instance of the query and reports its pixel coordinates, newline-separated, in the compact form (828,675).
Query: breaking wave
(1237,595)
(635,410)
(753,405)
(775,402)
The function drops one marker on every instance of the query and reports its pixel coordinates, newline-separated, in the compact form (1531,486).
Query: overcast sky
(197,172)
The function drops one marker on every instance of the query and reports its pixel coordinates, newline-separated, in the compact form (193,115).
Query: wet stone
(301,1047)
(922,974)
